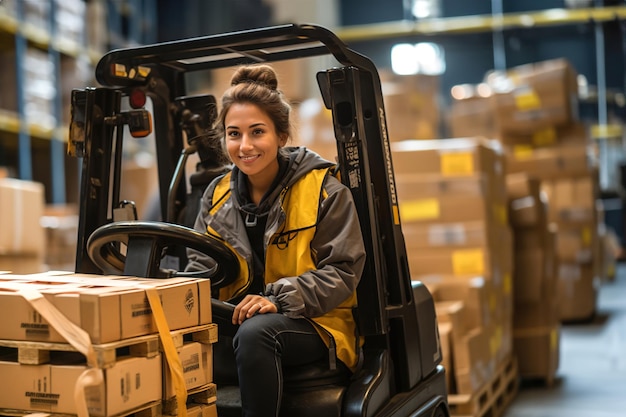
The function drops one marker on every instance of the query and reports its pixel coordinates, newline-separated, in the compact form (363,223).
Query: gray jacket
(337,244)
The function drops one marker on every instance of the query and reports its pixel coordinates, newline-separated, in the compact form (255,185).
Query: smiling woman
(253,145)
(295,231)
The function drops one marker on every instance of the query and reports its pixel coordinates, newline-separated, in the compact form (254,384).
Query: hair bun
(262,75)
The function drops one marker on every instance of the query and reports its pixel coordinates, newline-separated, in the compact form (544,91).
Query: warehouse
(479,143)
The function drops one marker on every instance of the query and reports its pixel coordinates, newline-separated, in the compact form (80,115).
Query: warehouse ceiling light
(421,58)
(421,9)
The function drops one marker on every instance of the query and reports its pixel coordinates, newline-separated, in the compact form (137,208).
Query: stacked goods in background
(453,206)
(60,224)
(536,320)
(138,332)
(533,114)
(40,87)
(22,237)
(555,148)
(412,104)
(35,237)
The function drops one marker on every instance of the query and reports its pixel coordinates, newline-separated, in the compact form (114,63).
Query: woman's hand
(251,305)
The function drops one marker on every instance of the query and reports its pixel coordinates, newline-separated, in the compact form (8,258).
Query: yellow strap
(171,354)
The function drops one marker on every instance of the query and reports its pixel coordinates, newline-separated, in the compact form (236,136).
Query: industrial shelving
(37,151)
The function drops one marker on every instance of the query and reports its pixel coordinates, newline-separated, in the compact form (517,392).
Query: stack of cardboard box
(22,237)
(536,321)
(562,157)
(534,116)
(411,105)
(412,110)
(125,338)
(452,199)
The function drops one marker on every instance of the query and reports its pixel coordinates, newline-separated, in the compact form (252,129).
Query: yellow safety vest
(289,253)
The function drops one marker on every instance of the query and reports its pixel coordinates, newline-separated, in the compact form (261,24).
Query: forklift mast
(352,93)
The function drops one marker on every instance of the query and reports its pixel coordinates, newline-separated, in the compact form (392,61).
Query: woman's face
(252,142)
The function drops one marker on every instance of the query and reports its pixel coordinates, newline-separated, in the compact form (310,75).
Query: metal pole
(499,52)
(57,148)
(602,107)
(25,168)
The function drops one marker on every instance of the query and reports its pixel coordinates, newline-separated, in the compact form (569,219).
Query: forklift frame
(396,315)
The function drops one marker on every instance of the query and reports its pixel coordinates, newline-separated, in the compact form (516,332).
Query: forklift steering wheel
(145,242)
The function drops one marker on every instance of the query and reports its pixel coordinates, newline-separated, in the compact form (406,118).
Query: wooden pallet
(36,353)
(493,398)
(205,394)
(152,409)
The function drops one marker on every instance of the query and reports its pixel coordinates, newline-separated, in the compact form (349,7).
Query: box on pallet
(535,96)
(447,157)
(202,410)
(197,366)
(471,358)
(578,291)
(537,351)
(108,309)
(21,208)
(130,383)
(552,162)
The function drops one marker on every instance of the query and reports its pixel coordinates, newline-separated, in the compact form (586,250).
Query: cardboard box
(535,265)
(21,208)
(577,291)
(446,209)
(107,309)
(538,314)
(453,312)
(474,293)
(315,129)
(458,234)
(140,185)
(60,223)
(197,363)
(23,264)
(552,162)
(474,364)
(538,352)
(411,105)
(570,134)
(538,96)
(471,116)
(573,199)
(528,205)
(448,157)
(130,383)
(451,261)
(577,244)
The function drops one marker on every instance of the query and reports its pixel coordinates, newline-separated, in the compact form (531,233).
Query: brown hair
(258,85)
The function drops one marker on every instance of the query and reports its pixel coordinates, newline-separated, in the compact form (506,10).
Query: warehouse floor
(591,379)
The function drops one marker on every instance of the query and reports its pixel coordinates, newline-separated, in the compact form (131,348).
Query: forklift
(401,372)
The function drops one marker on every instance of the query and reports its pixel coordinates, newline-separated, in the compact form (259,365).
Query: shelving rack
(130,22)
(36,151)
(608,135)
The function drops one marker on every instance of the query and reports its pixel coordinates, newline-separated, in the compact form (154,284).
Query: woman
(295,230)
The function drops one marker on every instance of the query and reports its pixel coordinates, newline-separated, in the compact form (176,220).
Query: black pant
(255,357)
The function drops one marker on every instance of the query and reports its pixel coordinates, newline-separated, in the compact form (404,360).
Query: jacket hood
(299,161)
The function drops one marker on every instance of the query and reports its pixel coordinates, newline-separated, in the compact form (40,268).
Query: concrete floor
(591,379)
